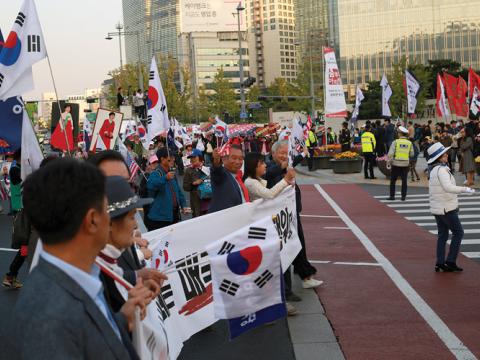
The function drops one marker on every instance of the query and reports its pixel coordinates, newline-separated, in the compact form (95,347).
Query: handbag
(205,189)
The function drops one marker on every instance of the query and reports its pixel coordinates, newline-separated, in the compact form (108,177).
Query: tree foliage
(224,98)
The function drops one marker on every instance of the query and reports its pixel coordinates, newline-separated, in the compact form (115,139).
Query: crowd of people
(216,176)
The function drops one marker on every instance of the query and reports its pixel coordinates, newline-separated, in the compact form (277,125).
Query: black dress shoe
(391,198)
(442,268)
(453,267)
(293,297)
(403,199)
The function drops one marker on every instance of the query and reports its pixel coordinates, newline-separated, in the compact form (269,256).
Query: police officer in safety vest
(311,143)
(399,156)
(368,149)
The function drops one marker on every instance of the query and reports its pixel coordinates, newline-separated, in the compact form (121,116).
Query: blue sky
(74,32)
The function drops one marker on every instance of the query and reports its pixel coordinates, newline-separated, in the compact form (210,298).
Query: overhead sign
(209,15)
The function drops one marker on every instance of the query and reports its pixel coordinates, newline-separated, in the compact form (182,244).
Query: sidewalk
(327,176)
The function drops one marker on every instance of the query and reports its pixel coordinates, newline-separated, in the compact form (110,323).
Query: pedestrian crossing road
(416,208)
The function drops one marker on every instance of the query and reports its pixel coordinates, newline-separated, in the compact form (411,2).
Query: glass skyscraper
(372,35)
(158,26)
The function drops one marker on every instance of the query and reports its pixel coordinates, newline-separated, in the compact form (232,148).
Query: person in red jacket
(107,129)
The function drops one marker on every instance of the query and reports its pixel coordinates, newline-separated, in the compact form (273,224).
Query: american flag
(132,166)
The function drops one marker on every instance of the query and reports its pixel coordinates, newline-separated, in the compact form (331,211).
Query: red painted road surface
(370,316)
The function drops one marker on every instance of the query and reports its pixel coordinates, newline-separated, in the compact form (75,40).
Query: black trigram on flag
(20,20)
(1,79)
(165,302)
(229,287)
(226,248)
(149,119)
(33,43)
(263,279)
(151,75)
(257,233)
(162,109)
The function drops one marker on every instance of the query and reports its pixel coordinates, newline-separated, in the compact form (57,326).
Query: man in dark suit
(61,312)
(228,189)
(276,170)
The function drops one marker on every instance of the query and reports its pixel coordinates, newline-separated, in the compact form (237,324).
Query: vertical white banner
(386,94)
(413,88)
(335,105)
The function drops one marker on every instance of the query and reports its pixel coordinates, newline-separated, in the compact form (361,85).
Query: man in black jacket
(276,169)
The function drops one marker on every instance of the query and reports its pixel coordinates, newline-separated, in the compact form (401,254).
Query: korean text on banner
(335,105)
(182,246)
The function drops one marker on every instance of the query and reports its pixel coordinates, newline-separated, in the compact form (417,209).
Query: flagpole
(324,96)
(59,107)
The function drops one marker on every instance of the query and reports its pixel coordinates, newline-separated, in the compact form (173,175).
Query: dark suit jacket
(54,318)
(275,174)
(129,262)
(225,191)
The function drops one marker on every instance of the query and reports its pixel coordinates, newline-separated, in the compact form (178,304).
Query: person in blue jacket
(162,186)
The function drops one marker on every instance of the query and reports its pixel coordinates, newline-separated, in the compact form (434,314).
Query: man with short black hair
(61,312)
(228,189)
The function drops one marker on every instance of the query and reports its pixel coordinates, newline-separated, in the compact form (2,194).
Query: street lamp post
(110,35)
(312,85)
(243,112)
(119,27)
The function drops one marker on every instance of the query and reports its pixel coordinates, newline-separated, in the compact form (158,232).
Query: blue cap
(196,153)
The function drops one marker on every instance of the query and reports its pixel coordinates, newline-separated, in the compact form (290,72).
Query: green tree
(203,105)
(371,107)
(127,79)
(224,99)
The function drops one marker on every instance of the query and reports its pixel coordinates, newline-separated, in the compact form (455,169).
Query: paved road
(416,209)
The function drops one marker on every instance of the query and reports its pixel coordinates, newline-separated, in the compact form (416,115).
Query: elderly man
(276,169)
(228,189)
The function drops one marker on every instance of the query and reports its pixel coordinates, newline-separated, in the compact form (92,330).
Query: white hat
(403,129)
(435,151)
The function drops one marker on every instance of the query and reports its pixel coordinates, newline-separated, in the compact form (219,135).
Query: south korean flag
(246,272)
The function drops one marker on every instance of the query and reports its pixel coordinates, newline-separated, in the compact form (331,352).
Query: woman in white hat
(444,206)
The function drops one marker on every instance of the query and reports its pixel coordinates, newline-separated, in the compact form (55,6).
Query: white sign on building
(209,15)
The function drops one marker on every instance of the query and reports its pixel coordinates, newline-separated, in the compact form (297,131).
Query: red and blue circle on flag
(246,261)
(152,97)
(10,49)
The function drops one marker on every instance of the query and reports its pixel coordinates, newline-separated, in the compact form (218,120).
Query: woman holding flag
(62,137)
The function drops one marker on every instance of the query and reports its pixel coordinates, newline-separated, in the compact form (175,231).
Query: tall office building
(203,53)
(157,23)
(370,36)
(271,40)
(311,18)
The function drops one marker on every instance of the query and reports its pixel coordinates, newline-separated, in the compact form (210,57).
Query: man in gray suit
(61,312)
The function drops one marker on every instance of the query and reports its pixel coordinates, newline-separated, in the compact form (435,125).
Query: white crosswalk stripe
(416,208)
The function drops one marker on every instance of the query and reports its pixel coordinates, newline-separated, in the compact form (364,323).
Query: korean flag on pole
(246,270)
(157,114)
(24,47)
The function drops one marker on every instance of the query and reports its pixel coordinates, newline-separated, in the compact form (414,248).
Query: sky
(74,32)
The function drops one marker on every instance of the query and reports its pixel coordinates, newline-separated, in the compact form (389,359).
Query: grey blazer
(54,318)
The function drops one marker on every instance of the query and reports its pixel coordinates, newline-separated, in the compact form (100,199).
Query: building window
(283,73)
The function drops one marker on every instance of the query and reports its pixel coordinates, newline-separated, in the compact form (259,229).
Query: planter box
(322,162)
(346,166)
(382,166)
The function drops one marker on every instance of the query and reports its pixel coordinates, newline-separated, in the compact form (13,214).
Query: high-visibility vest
(368,142)
(311,139)
(402,149)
